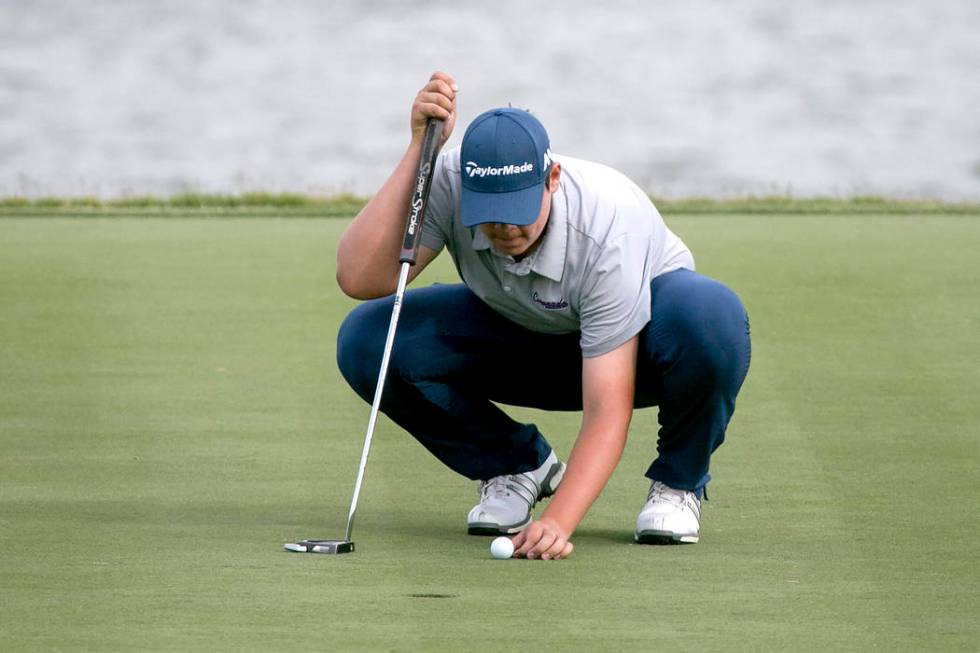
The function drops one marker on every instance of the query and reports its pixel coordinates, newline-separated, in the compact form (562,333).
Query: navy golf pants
(454,356)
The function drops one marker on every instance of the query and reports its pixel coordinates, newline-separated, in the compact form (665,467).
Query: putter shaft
(376,404)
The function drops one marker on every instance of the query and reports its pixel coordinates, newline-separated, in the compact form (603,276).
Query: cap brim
(520,207)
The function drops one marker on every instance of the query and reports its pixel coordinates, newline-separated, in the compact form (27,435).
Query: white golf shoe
(669,516)
(506,501)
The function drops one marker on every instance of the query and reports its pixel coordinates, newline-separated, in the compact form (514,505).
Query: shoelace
(679,498)
(523,485)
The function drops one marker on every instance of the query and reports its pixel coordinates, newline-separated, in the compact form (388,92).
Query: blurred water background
(812,97)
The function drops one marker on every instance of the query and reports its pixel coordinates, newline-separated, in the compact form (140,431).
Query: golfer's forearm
(607,408)
(592,461)
(367,256)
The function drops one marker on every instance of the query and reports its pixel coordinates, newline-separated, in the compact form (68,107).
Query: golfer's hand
(437,99)
(543,539)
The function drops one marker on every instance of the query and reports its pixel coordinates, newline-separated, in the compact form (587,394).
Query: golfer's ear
(554,175)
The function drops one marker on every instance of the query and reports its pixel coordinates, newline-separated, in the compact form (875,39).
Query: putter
(409,254)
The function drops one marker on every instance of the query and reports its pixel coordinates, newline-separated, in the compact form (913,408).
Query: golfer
(574,296)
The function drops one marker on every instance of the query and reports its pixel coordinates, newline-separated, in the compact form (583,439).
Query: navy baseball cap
(504,163)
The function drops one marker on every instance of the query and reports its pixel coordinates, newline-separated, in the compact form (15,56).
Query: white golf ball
(502,548)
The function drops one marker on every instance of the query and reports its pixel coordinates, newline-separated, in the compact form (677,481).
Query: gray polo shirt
(604,243)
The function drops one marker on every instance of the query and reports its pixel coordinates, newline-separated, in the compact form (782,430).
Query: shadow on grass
(603,535)
(434,528)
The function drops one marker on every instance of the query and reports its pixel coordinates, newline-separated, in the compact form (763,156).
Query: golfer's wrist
(565,522)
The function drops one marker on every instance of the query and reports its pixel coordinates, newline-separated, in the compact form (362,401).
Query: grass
(170,413)
(292,204)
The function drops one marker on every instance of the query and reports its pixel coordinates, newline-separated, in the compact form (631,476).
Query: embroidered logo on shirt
(551,306)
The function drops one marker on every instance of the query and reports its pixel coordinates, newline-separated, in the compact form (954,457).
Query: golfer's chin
(512,247)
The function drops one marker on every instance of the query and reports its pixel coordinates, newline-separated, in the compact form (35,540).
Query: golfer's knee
(715,339)
(360,342)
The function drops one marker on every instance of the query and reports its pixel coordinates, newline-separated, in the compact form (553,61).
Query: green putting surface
(171,413)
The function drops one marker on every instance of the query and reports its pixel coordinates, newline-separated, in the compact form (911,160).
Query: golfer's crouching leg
(360,345)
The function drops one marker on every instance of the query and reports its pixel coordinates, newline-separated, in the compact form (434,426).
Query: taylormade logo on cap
(502,164)
(476,170)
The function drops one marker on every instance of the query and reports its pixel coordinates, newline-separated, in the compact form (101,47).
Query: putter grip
(420,194)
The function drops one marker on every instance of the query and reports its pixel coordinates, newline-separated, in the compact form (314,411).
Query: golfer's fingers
(437,99)
(446,78)
(566,551)
(518,539)
(540,537)
(557,550)
(544,545)
(428,105)
(434,105)
(443,85)
(528,538)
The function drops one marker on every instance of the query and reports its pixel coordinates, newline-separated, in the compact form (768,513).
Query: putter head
(320,546)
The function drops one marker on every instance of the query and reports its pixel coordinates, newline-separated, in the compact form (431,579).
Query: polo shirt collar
(479,240)
(549,259)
